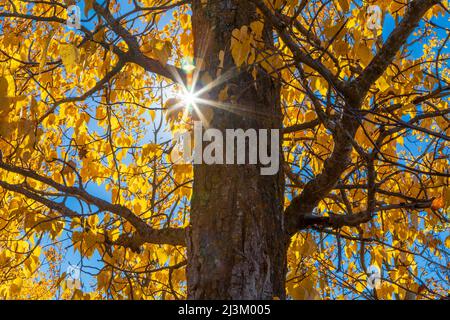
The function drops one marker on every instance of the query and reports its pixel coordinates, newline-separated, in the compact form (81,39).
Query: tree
(87,116)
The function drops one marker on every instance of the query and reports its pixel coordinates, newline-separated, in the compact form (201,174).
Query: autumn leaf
(438,203)
(69,55)
(335,31)
(159,49)
(6,86)
(7,94)
(45,46)
(69,168)
(364,53)
(223,94)
(173,109)
(345,4)
(240,45)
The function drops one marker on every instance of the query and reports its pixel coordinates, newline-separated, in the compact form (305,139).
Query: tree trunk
(237,241)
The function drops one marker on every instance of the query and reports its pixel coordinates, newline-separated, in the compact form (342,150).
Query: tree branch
(316,189)
(353,220)
(62,209)
(302,126)
(395,41)
(172,236)
(134,54)
(98,86)
(300,57)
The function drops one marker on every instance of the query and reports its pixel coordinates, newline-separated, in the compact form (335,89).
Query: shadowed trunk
(237,240)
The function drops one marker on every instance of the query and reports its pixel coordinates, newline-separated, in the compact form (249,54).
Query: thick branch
(173,236)
(353,220)
(299,56)
(316,189)
(62,209)
(134,54)
(302,126)
(395,41)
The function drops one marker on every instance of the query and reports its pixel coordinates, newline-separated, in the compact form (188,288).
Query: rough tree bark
(237,241)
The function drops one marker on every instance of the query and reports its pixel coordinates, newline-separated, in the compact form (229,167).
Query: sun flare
(188,98)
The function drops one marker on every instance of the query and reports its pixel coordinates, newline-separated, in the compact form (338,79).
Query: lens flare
(187,98)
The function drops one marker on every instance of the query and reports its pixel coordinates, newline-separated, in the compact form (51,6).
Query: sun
(187,98)
(191,91)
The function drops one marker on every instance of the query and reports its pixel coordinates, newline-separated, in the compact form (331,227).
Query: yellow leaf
(163,51)
(382,84)
(7,92)
(223,94)
(310,116)
(240,45)
(69,55)
(173,109)
(257,28)
(7,86)
(364,54)
(336,30)
(99,36)
(345,4)
(46,44)
(158,49)
(16,286)
(437,203)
